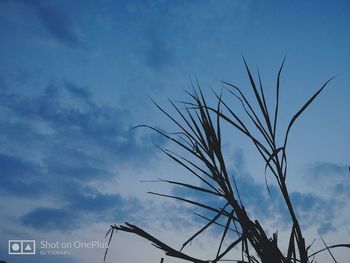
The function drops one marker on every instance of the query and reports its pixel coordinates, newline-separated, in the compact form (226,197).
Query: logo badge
(21,247)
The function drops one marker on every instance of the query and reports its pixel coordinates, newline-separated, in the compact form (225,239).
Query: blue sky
(75,76)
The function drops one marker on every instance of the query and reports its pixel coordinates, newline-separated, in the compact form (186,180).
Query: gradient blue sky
(75,76)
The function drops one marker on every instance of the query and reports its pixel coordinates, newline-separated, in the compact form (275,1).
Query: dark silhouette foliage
(199,134)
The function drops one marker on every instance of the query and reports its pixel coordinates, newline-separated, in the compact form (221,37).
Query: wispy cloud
(327,170)
(57,146)
(57,21)
(332,177)
(20,178)
(44,218)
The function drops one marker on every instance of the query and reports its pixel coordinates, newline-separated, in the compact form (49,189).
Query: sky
(76,76)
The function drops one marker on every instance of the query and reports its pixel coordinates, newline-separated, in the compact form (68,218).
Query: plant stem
(298,234)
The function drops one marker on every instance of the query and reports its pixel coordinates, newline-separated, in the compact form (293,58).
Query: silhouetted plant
(200,135)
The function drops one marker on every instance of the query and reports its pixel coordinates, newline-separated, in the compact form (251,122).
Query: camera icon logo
(21,247)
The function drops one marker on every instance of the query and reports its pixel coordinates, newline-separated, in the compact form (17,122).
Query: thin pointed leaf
(268,120)
(277,96)
(295,117)
(218,224)
(171,155)
(224,234)
(256,93)
(255,120)
(228,249)
(329,251)
(208,207)
(193,187)
(330,247)
(110,231)
(212,221)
